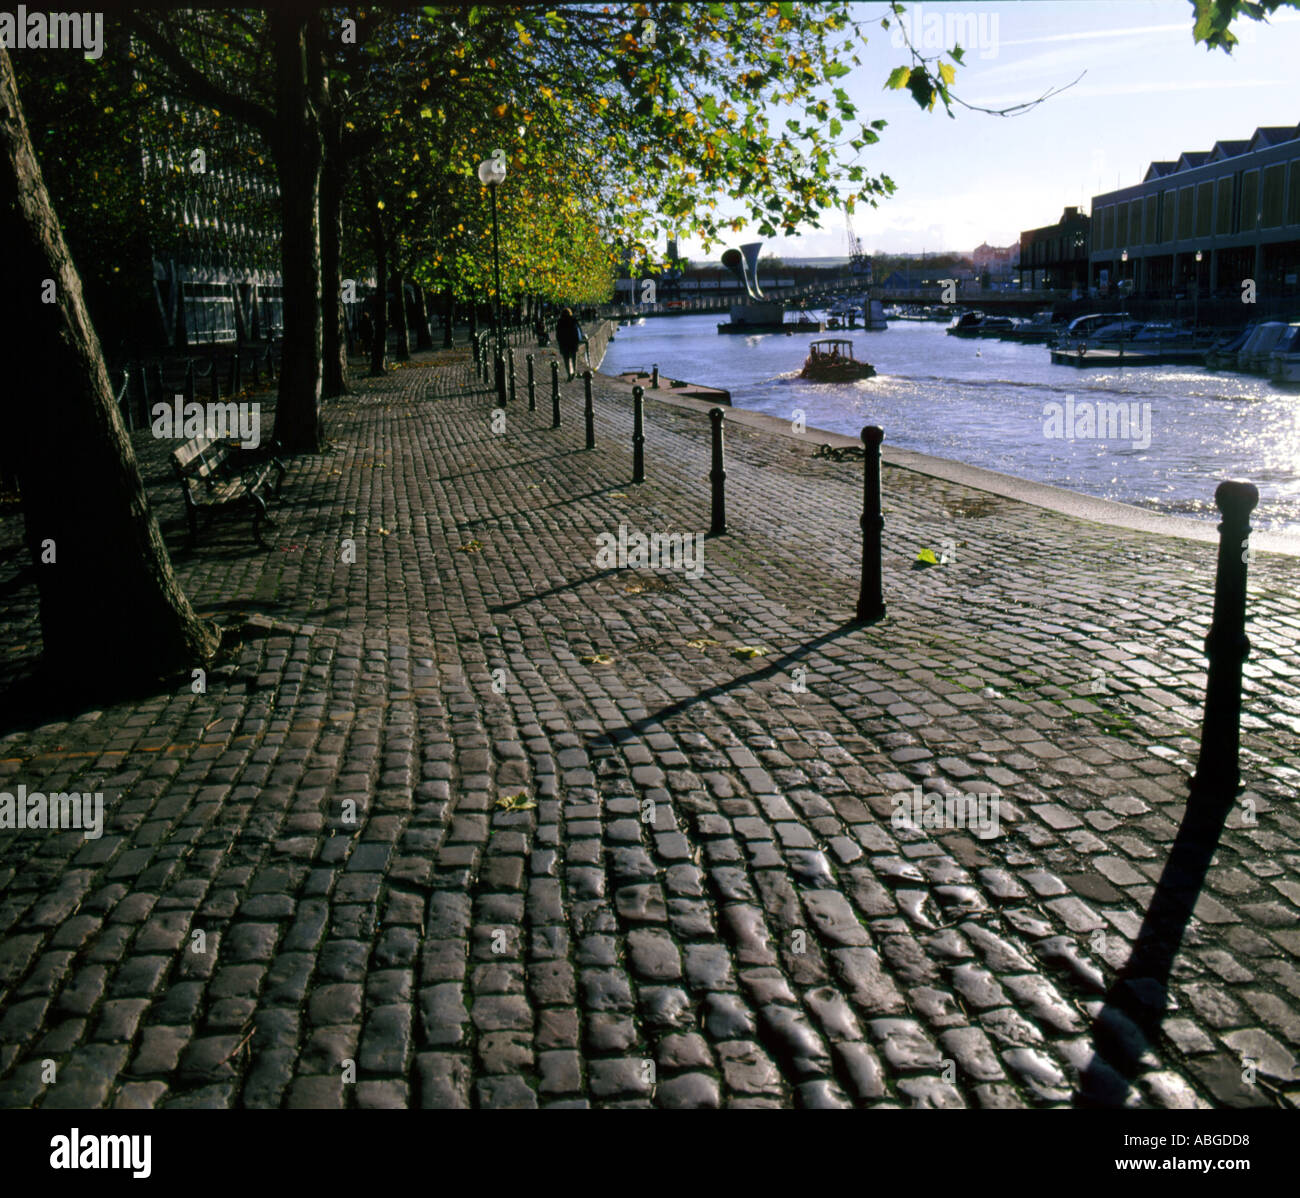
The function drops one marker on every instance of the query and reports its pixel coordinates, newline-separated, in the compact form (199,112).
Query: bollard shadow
(500,608)
(777,666)
(1136,1003)
(564,453)
(524,511)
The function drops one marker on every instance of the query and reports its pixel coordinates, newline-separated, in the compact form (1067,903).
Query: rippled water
(986,403)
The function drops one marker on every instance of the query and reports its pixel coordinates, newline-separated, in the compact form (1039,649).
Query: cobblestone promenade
(475,821)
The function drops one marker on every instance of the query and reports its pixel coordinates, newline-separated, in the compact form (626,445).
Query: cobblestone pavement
(473,821)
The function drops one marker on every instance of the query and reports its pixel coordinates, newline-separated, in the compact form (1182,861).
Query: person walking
(568,336)
(539,327)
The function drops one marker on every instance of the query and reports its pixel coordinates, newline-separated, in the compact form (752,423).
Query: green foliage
(1213,18)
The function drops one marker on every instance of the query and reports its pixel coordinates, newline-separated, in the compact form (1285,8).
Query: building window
(1204,201)
(1167,229)
(1223,206)
(1293,194)
(1135,222)
(1152,224)
(1185,195)
(1273,197)
(1249,200)
(1121,225)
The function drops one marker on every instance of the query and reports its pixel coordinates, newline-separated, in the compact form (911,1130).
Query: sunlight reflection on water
(986,403)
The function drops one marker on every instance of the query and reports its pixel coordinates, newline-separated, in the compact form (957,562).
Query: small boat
(1285,357)
(1253,356)
(995,326)
(1038,328)
(832,361)
(968,324)
(1223,354)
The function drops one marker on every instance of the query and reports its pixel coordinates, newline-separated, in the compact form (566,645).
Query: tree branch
(198,85)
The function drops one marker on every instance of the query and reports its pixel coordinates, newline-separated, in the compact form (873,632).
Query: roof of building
(1271,135)
(1264,136)
(1229,149)
(1156,169)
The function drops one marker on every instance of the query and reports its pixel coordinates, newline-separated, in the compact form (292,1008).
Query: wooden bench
(216,473)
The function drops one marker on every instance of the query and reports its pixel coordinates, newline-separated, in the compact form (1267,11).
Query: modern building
(212,210)
(1206,222)
(1056,256)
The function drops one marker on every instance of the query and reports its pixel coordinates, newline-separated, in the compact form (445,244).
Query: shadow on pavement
(1136,1004)
(636,727)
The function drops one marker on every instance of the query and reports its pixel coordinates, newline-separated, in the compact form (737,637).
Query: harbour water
(1005,406)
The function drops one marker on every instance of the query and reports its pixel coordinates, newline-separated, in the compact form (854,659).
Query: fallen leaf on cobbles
(702,642)
(596,659)
(748,651)
(470,547)
(519,802)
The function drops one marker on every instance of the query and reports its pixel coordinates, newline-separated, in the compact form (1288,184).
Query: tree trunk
(423,338)
(379,346)
(112,612)
(400,325)
(299,154)
(334,342)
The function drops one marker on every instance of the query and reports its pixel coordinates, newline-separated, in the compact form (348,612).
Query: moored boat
(1253,356)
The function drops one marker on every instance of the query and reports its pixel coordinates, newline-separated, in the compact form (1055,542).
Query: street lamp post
(1123,303)
(492,173)
(1196,299)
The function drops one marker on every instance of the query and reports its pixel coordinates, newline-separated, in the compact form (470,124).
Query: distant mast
(859,262)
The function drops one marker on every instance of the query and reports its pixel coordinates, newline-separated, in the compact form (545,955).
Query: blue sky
(1147,92)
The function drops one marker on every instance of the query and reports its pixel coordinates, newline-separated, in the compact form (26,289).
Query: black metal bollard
(555,394)
(871,599)
(532,386)
(499,370)
(236,374)
(589,410)
(638,435)
(1218,776)
(510,367)
(654,377)
(718,477)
